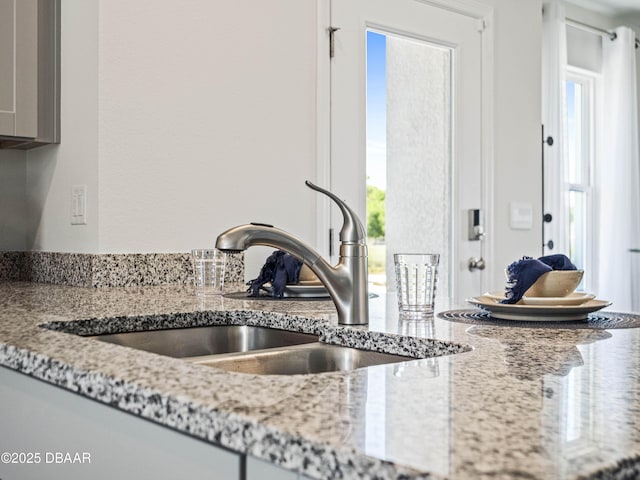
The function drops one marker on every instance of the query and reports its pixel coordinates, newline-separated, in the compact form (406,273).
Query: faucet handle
(352,230)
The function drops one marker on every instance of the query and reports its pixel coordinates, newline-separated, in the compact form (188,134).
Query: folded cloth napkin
(280,269)
(524,273)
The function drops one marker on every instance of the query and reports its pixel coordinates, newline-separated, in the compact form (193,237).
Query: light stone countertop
(536,403)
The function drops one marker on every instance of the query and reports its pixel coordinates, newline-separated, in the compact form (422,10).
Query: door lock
(476,225)
(476,264)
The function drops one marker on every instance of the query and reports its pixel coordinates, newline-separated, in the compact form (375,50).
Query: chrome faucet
(346,282)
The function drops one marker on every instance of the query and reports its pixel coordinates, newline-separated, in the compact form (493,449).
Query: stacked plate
(575,306)
(304,289)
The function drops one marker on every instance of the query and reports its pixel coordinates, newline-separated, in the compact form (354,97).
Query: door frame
(484,15)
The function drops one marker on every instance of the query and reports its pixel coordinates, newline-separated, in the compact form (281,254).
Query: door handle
(476,264)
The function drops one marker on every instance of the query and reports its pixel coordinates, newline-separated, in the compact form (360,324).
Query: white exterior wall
(418,101)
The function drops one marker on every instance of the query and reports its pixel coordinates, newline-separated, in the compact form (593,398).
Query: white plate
(572,299)
(303,290)
(536,313)
(577,298)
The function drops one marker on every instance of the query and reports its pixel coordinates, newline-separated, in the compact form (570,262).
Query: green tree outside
(375,212)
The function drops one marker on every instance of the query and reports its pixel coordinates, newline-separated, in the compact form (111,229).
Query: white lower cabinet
(52,433)
(68,437)
(261,470)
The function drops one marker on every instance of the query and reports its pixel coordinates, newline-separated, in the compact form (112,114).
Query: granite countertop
(521,403)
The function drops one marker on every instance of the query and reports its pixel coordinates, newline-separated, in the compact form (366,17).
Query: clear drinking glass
(416,279)
(208,271)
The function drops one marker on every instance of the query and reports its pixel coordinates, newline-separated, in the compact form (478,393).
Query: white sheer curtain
(617,176)
(554,62)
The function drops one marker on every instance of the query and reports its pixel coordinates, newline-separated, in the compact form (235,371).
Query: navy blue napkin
(279,269)
(524,273)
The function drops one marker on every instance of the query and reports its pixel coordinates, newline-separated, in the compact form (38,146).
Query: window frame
(590,83)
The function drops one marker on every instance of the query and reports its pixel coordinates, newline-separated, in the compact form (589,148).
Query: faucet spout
(346,282)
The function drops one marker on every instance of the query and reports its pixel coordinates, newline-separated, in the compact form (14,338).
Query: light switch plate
(79,205)
(521,215)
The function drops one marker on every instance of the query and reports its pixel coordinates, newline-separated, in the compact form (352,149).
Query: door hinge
(332,31)
(481,25)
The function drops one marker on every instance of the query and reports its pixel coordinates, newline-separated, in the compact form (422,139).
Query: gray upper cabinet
(29,73)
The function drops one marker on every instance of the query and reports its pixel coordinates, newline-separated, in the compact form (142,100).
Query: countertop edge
(225,429)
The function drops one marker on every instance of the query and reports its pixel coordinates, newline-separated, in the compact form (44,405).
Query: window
(579,153)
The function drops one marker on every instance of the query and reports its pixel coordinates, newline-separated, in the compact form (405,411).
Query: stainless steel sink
(248,349)
(212,340)
(300,359)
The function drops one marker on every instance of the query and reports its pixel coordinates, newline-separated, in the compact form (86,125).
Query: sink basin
(250,349)
(212,340)
(262,350)
(300,359)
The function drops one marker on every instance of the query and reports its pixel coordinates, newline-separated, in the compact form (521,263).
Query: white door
(425,136)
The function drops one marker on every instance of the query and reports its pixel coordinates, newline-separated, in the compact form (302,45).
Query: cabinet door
(76,438)
(261,470)
(18,68)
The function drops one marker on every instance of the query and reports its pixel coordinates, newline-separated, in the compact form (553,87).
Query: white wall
(185,118)
(517,107)
(517,135)
(207,120)
(182,123)
(604,22)
(52,170)
(13,213)
(588,17)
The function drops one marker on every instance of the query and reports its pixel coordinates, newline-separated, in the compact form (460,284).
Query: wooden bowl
(557,283)
(307,277)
